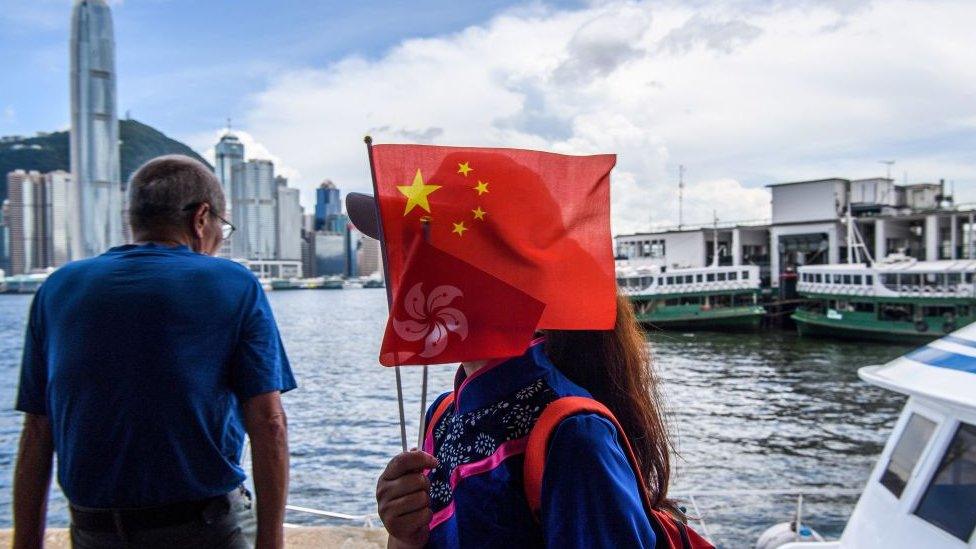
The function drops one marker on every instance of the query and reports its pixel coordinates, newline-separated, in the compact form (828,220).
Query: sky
(742,93)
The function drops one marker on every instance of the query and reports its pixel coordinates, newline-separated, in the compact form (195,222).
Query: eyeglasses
(226,227)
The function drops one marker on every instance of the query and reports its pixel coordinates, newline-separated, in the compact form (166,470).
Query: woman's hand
(402,500)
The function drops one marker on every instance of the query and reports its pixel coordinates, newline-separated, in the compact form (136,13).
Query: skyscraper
(228,153)
(98,194)
(57,186)
(369,256)
(29,215)
(327,204)
(254,194)
(289,223)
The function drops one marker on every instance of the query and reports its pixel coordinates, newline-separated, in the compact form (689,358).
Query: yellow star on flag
(417,193)
(459,228)
(463,169)
(479,213)
(481,187)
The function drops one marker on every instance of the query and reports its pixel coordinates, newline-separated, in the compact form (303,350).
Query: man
(142,369)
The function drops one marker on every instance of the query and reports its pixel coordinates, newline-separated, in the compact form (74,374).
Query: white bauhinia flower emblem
(431,318)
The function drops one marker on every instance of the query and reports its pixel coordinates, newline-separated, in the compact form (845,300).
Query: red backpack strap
(541,434)
(665,526)
(436,416)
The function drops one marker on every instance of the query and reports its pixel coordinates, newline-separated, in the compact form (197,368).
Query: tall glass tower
(97,191)
(326,204)
(254,197)
(228,153)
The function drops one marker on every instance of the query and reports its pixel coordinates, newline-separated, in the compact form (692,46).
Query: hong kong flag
(446,310)
(538,221)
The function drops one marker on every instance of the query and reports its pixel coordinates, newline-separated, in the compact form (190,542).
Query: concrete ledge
(343,537)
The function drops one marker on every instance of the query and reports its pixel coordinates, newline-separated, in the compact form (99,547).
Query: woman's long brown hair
(615,367)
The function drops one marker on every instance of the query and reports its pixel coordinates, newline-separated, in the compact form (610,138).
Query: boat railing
(901,290)
(694,287)
(699,518)
(692,497)
(366,521)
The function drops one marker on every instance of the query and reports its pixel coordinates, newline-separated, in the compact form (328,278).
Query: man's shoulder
(195,265)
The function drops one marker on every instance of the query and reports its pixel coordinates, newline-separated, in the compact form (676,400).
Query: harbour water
(750,412)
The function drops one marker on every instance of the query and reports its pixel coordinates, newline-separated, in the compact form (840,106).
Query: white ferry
(693,298)
(922,492)
(897,299)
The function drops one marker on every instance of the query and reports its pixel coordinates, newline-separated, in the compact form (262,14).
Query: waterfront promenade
(344,537)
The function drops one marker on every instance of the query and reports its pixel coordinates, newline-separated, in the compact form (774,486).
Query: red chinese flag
(538,221)
(446,310)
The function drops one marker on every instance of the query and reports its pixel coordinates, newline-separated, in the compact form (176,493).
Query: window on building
(869,280)
(698,277)
(846,279)
(733,275)
(721,277)
(836,279)
(711,277)
(745,275)
(857,279)
(670,281)
(862,307)
(950,499)
(819,278)
(963,310)
(689,279)
(969,278)
(914,437)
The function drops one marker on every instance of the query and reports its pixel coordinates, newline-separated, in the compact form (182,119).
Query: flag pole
(389,291)
(425,223)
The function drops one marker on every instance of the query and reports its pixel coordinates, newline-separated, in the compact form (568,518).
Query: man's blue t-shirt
(141,358)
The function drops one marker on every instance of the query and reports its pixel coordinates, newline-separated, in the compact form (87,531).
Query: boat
(25,283)
(714,297)
(898,299)
(373,282)
(922,490)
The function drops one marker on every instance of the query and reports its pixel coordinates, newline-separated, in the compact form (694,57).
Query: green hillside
(50,152)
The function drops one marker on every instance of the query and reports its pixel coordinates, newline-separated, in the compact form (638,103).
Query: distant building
(327,204)
(281,181)
(228,153)
(60,231)
(352,244)
(288,222)
(29,215)
(330,254)
(808,227)
(254,213)
(95,131)
(369,256)
(4,233)
(273,268)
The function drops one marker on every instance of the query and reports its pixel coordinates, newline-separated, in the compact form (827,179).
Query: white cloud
(744,94)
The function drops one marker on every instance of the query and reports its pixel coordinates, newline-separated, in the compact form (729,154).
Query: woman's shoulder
(586,434)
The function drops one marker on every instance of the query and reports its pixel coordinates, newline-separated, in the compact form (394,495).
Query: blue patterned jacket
(590,496)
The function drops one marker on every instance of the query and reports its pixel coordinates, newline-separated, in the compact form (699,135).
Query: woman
(467,489)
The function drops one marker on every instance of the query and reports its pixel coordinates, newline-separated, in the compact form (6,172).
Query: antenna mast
(714,238)
(681,191)
(887,163)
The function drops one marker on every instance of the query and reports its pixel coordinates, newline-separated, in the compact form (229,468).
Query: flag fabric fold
(447,310)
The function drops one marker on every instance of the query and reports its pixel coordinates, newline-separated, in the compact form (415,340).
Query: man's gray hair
(162,188)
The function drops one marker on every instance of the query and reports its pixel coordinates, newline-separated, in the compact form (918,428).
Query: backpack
(670,532)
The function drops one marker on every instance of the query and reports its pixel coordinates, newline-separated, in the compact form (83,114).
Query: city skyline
(742,93)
